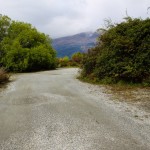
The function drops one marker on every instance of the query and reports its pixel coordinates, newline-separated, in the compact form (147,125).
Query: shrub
(4,76)
(76,58)
(63,62)
(122,53)
(75,61)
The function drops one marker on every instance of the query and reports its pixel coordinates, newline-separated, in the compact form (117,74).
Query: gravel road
(52,110)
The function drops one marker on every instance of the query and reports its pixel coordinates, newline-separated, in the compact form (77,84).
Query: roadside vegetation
(122,54)
(4,76)
(23,48)
(74,61)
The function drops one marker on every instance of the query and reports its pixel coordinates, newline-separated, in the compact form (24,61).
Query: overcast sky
(67,17)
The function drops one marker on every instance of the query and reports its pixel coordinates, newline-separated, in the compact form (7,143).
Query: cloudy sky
(66,17)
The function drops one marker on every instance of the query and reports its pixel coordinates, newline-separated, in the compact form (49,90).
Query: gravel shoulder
(52,110)
(135,102)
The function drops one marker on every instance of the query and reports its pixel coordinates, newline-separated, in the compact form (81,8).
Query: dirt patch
(133,95)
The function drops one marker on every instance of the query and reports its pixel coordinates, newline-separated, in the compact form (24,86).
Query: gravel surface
(52,110)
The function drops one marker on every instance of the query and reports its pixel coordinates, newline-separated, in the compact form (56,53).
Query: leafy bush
(63,62)
(76,59)
(23,48)
(122,54)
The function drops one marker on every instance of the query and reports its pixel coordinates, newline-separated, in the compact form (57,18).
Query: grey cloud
(65,17)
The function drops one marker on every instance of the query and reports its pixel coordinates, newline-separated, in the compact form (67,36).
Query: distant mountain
(68,45)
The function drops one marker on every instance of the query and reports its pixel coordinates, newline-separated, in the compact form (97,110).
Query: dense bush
(75,61)
(122,54)
(76,58)
(63,62)
(23,48)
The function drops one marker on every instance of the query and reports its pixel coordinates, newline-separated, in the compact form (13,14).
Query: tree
(23,48)
(4,25)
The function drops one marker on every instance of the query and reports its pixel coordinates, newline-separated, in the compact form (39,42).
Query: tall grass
(4,76)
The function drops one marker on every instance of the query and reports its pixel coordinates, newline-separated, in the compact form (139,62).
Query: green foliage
(77,58)
(4,25)
(122,54)
(75,61)
(23,48)
(63,62)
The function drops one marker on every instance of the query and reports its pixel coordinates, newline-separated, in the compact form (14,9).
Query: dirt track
(52,110)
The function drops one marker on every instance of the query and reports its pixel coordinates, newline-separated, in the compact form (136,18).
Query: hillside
(68,45)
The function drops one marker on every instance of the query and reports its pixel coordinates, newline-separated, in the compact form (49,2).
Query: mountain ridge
(81,42)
